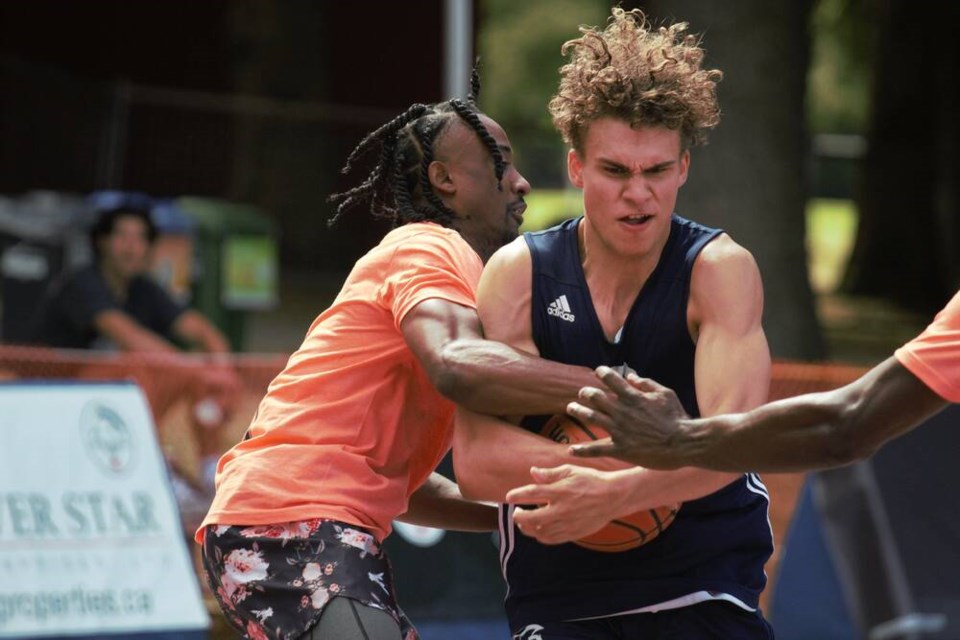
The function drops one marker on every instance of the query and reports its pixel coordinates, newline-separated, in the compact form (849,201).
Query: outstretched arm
(502,377)
(815,430)
(483,375)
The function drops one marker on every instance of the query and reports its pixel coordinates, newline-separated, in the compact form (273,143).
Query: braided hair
(398,188)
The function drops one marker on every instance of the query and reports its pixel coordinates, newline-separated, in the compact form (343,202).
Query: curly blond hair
(641,75)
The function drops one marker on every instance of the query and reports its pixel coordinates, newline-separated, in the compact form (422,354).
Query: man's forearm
(650,427)
(815,430)
(491,456)
(493,378)
(438,503)
(788,435)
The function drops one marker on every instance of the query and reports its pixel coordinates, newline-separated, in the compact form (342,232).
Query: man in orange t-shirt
(816,430)
(348,434)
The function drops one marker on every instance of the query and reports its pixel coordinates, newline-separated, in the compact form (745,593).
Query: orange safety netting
(794,378)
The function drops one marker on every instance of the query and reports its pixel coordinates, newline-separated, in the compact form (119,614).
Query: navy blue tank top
(718,543)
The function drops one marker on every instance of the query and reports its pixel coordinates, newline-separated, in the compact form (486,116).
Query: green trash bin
(236,265)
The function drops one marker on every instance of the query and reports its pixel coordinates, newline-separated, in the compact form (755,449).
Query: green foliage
(547,207)
(843,32)
(519,46)
(831,229)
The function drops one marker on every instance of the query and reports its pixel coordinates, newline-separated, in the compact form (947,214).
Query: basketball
(627,532)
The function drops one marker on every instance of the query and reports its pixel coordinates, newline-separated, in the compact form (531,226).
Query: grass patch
(831,230)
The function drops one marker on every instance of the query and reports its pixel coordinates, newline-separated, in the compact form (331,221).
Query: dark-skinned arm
(483,375)
(817,430)
(438,503)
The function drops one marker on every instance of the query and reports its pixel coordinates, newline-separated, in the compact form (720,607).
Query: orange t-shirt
(353,426)
(934,355)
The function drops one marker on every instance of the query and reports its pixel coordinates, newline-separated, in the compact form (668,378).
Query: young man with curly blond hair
(628,283)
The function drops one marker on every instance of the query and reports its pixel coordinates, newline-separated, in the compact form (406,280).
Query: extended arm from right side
(810,431)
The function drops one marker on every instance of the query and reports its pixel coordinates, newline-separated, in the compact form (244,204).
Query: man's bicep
(435,322)
(732,371)
(503,297)
(732,356)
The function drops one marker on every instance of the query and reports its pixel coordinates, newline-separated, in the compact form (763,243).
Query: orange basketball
(627,532)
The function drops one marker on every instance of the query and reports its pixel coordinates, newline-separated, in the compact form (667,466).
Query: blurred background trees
(838,135)
(908,239)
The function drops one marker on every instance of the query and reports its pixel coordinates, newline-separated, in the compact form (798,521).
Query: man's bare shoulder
(724,259)
(723,249)
(725,282)
(510,257)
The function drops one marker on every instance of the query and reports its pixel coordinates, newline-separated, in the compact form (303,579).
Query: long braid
(469,113)
(470,117)
(425,136)
(380,187)
(406,181)
(474,94)
(401,192)
(370,188)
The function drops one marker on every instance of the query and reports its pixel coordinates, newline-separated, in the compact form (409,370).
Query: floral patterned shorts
(273,581)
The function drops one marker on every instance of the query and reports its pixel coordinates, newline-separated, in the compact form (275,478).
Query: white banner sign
(90,539)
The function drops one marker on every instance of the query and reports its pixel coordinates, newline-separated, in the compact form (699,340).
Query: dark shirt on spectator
(67,320)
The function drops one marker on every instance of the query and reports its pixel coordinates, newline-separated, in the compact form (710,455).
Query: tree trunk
(906,248)
(751,180)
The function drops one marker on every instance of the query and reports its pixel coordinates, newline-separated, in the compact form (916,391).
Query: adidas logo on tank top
(561,309)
